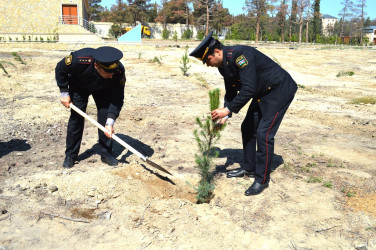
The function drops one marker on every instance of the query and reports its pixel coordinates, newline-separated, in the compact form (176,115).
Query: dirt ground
(323,189)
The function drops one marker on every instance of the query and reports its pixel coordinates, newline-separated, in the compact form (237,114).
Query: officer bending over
(97,72)
(249,74)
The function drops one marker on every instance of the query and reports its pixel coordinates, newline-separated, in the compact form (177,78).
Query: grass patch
(345,73)
(287,166)
(2,63)
(18,58)
(364,100)
(331,164)
(201,79)
(300,86)
(348,193)
(156,60)
(314,179)
(328,184)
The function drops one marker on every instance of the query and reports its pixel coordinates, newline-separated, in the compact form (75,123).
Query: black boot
(69,162)
(256,188)
(108,159)
(240,173)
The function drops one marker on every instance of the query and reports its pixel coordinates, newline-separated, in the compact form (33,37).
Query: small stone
(108,215)
(53,188)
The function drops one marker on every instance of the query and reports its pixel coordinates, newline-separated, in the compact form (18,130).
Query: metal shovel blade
(157,166)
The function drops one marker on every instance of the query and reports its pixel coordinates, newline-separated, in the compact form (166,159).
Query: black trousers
(75,129)
(260,132)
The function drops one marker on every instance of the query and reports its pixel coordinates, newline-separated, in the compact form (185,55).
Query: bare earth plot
(322,194)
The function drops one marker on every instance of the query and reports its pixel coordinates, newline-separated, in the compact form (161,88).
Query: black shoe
(256,188)
(69,162)
(240,173)
(109,159)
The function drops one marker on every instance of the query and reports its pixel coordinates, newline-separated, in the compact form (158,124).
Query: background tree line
(263,20)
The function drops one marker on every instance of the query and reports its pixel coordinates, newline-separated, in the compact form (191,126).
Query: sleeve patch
(241,61)
(68,60)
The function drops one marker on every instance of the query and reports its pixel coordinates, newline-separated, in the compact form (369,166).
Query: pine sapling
(206,137)
(185,61)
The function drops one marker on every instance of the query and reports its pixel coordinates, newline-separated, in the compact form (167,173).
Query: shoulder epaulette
(84,60)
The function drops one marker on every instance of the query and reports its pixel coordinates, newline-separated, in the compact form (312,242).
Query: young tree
(206,138)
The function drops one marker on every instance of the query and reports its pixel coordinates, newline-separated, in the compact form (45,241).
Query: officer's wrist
(229,111)
(64,94)
(110,122)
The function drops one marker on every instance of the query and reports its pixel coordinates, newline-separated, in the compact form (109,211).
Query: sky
(329,7)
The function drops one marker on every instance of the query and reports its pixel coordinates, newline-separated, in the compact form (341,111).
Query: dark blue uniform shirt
(77,71)
(248,74)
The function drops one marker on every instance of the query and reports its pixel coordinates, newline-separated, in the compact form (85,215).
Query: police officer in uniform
(97,72)
(249,74)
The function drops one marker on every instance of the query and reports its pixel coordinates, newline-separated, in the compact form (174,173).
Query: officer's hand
(223,120)
(218,126)
(110,132)
(219,113)
(65,101)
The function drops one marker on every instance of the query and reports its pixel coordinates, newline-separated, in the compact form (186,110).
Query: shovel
(120,141)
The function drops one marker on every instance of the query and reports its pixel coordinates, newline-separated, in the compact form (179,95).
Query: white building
(328,23)
(370,32)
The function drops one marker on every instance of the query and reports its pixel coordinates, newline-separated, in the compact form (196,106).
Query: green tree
(316,23)
(345,14)
(94,10)
(203,10)
(293,20)
(362,4)
(185,62)
(281,17)
(221,17)
(206,138)
(187,34)
(115,30)
(174,11)
(140,10)
(119,13)
(257,9)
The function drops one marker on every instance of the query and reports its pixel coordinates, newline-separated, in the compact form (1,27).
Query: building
(370,33)
(328,23)
(45,20)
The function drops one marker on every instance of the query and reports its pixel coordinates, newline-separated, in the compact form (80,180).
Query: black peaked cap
(203,50)
(108,58)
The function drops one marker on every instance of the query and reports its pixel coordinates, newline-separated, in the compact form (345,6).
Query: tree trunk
(207,18)
(300,30)
(187,13)
(257,26)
